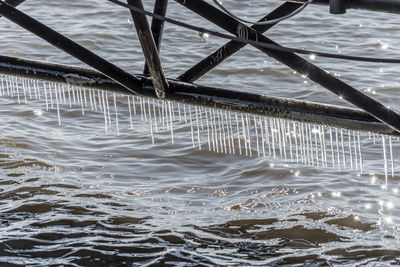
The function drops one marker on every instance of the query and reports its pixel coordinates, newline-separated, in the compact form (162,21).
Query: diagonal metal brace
(149,48)
(296,62)
(157,26)
(230,48)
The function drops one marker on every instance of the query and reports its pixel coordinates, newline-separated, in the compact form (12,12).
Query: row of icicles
(220,131)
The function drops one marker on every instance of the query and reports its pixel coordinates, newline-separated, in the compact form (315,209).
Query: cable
(267,22)
(256,43)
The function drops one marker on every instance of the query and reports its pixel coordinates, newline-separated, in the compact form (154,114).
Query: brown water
(74,195)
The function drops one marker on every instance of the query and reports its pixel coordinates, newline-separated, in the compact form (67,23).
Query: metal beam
(127,80)
(302,111)
(149,48)
(297,63)
(157,26)
(230,48)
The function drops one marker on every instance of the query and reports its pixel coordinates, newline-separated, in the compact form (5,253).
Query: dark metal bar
(188,93)
(149,48)
(129,81)
(230,48)
(157,26)
(297,63)
(388,6)
(14,3)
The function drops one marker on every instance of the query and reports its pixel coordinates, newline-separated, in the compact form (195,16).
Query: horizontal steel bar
(284,108)
(389,6)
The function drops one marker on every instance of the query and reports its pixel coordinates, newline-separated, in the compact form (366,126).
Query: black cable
(256,43)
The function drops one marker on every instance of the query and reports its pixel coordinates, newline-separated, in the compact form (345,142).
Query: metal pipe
(230,48)
(157,26)
(284,108)
(149,49)
(297,63)
(127,80)
(388,6)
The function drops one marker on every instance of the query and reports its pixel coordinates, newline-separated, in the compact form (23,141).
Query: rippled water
(74,195)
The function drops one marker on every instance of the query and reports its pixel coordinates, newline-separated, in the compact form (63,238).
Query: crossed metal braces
(184,89)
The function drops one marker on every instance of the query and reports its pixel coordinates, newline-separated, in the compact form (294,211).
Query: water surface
(76,195)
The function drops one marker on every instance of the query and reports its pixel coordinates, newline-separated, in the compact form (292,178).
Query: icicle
(385,163)
(155,116)
(84,97)
(133,105)
(350,150)
(303,158)
(355,149)
(179,112)
(24,88)
(391,155)
(16,85)
(184,111)
(244,134)
(360,152)
(283,134)
(201,118)
(213,131)
(267,135)
(222,130)
(141,108)
(90,99)
(309,145)
(295,141)
(2,85)
(324,146)
(191,125)
(248,135)
(50,92)
(151,123)
(208,131)
(108,108)
(289,136)
(70,98)
(315,131)
(116,113)
(171,124)
(163,113)
(81,101)
(332,151)
(226,127)
(63,93)
(104,111)
(256,131)
(343,151)
(198,127)
(321,134)
(238,133)
(278,135)
(94,100)
(144,109)
(10,87)
(58,108)
(7,87)
(271,124)
(232,134)
(73,95)
(262,136)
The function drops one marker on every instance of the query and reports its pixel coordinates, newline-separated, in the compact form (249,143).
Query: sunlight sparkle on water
(38,112)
